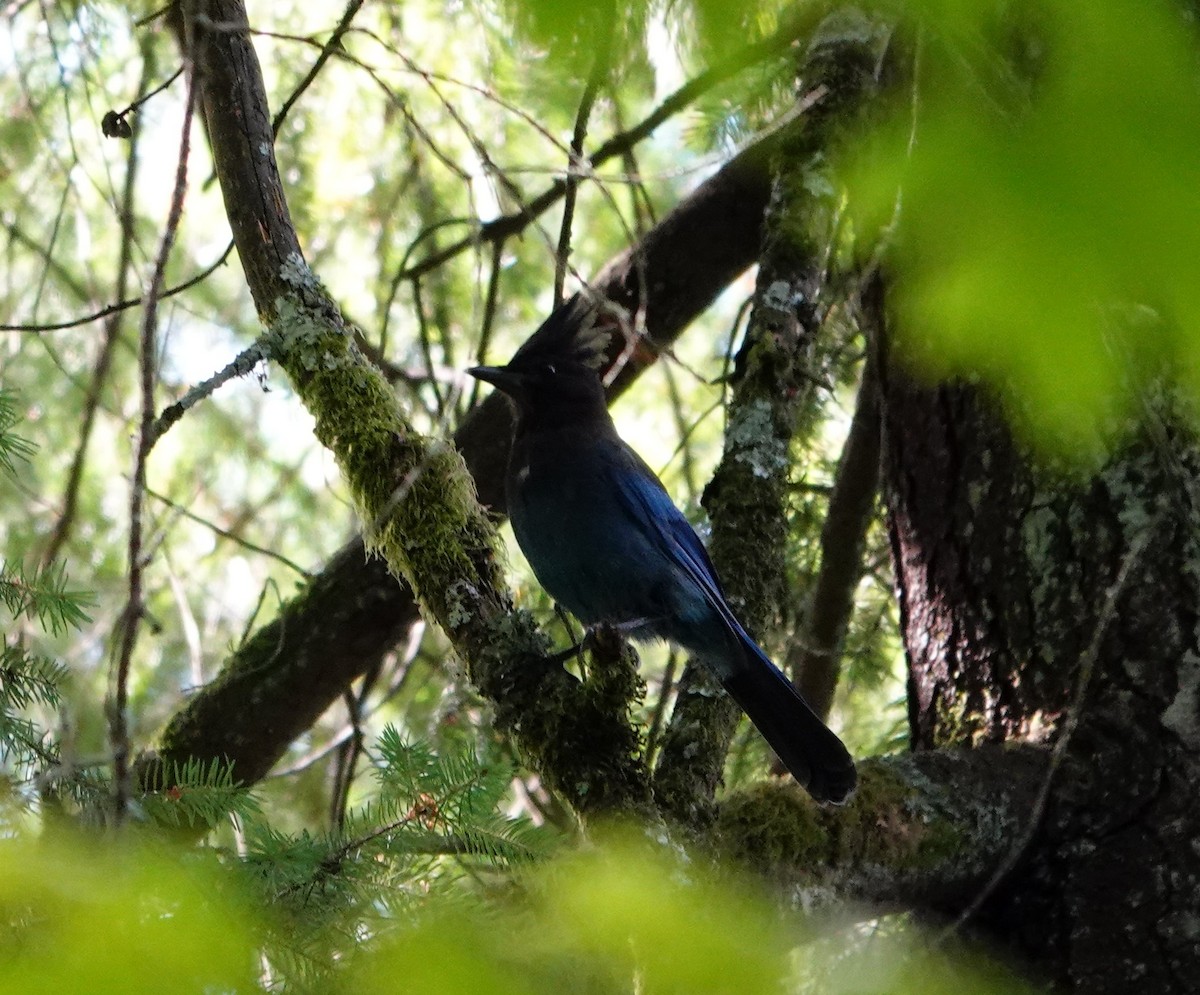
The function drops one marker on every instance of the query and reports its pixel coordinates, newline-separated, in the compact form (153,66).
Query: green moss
(775,827)
(414,495)
(958,723)
(891,821)
(614,684)
(418,506)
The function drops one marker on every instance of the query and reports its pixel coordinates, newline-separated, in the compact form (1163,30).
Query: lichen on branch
(413,494)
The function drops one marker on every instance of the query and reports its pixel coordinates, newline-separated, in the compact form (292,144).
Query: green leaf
(1049,234)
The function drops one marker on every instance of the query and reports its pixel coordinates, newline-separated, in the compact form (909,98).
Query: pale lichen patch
(751,439)
(1182,715)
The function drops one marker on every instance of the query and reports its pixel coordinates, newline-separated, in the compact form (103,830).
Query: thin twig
(352,749)
(575,160)
(241,364)
(343,768)
(152,93)
(55,230)
(131,617)
(327,50)
(666,688)
(488,322)
(231,536)
(426,343)
(111,309)
(64,276)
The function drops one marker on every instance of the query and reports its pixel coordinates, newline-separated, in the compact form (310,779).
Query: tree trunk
(1054,606)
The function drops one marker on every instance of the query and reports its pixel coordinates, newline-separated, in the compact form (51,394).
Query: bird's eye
(550,368)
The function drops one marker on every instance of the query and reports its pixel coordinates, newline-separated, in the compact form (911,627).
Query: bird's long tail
(807,747)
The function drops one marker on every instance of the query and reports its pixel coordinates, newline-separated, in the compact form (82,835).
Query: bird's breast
(576,534)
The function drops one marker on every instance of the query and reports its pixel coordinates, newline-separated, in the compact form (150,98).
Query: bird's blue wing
(814,755)
(669,531)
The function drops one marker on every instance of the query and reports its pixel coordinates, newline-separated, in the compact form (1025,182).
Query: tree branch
(925,829)
(414,493)
(816,653)
(774,382)
(354,612)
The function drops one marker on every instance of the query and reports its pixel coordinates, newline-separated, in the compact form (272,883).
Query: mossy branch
(773,386)
(413,493)
(925,829)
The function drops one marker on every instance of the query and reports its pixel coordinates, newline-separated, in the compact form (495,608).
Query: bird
(606,541)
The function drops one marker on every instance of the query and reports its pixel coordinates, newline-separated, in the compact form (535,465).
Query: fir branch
(13,448)
(43,594)
(29,679)
(198,794)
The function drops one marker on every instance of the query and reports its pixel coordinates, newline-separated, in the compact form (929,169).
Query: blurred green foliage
(110,916)
(621,916)
(1048,224)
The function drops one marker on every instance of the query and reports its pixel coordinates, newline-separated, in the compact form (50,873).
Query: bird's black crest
(579,330)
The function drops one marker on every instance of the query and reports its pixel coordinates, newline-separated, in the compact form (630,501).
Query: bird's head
(554,376)
(546,387)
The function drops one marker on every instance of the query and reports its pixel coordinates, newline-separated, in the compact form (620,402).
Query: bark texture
(1051,606)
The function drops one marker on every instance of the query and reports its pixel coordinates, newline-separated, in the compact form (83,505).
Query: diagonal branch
(131,617)
(413,492)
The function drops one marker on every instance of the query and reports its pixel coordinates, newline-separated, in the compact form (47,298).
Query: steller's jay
(606,541)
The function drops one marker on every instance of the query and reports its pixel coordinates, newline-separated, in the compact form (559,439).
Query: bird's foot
(603,639)
(568,654)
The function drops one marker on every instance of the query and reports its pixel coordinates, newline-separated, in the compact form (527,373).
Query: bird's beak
(499,377)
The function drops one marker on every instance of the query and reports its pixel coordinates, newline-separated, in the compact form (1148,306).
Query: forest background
(236,311)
